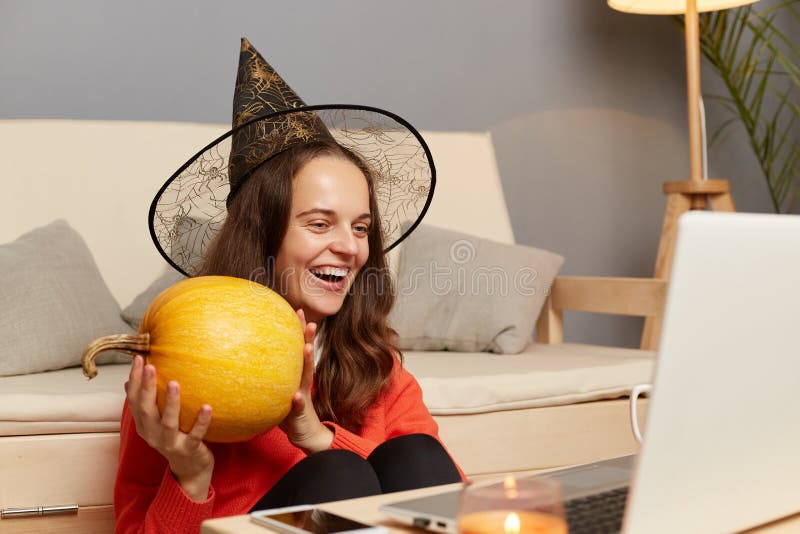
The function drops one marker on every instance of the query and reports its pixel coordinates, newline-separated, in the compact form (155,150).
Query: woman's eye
(318,225)
(362,228)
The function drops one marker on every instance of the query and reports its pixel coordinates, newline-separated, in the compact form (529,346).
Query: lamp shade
(672,7)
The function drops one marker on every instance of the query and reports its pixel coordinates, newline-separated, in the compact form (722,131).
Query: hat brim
(190,208)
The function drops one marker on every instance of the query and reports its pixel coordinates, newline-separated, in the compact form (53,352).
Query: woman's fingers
(201,424)
(135,378)
(170,418)
(133,390)
(298,403)
(310,331)
(147,400)
(308,367)
(162,430)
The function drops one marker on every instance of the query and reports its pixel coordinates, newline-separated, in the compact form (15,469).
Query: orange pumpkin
(229,342)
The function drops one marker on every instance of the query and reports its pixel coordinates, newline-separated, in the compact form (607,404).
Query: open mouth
(328,277)
(331,275)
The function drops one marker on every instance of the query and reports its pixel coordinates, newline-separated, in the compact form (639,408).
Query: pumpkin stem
(131,343)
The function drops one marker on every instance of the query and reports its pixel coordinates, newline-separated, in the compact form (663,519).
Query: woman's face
(326,240)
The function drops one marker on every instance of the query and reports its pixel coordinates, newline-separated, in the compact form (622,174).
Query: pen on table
(8,513)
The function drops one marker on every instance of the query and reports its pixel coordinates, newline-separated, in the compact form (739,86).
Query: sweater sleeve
(147,498)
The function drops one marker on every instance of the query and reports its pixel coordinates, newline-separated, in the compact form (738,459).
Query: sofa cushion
(55,301)
(452,383)
(462,293)
(135,311)
(542,375)
(62,401)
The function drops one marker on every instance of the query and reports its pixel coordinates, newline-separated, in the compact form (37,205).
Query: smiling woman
(306,201)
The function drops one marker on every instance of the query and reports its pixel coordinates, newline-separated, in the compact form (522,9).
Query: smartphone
(307,519)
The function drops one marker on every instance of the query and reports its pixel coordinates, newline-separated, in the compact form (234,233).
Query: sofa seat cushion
(62,402)
(542,375)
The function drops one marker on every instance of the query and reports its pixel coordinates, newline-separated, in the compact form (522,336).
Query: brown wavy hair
(358,345)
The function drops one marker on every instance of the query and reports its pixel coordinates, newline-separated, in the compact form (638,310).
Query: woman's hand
(302,426)
(189,458)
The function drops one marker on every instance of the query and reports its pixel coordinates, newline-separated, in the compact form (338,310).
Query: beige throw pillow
(134,312)
(54,302)
(462,293)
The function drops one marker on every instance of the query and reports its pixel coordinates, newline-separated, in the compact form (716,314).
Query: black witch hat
(269,118)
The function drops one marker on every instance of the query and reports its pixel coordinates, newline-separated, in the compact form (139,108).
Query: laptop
(720,450)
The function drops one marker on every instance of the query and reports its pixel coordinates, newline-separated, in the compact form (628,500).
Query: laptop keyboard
(597,514)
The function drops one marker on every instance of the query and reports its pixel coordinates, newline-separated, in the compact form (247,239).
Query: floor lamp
(698,192)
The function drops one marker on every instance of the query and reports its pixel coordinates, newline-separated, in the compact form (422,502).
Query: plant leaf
(759,65)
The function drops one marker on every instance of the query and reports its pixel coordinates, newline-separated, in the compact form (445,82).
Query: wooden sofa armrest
(642,297)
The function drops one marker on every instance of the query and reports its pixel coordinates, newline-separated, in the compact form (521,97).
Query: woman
(307,218)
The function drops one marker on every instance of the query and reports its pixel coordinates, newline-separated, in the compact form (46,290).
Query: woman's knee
(413,461)
(409,446)
(338,466)
(325,476)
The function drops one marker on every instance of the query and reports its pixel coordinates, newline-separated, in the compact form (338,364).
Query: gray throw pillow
(54,300)
(186,249)
(135,311)
(463,293)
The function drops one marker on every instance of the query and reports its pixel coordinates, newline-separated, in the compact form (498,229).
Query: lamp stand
(695,193)
(682,196)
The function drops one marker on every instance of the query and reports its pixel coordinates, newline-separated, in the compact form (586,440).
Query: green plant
(754,51)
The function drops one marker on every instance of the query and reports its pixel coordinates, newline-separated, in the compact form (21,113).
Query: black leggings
(402,463)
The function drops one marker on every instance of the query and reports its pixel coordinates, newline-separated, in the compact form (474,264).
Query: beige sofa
(554,404)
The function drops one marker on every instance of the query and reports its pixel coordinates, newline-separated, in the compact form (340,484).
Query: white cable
(636,392)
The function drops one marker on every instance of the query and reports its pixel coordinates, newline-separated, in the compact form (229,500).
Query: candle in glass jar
(511,522)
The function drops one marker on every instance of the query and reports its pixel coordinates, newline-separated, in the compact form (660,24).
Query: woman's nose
(345,242)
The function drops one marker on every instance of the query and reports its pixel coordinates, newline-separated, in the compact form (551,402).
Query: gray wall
(586,105)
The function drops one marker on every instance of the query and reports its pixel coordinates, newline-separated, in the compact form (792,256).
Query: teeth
(335,271)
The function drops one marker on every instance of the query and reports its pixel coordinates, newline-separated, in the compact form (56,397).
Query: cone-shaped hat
(269,118)
(260,92)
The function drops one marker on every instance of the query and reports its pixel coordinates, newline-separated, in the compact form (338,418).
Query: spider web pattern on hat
(191,208)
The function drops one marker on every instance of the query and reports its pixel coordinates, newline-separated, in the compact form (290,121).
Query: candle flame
(510,485)
(511,526)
